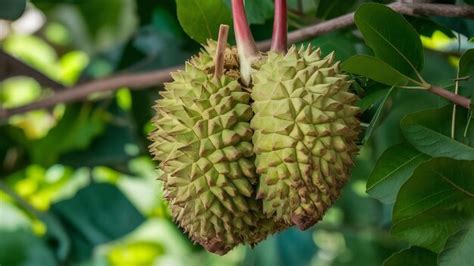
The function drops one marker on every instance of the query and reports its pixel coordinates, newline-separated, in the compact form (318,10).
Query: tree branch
(10,66)
(157,78)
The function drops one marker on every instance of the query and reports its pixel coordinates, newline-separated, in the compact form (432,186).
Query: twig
(156,78)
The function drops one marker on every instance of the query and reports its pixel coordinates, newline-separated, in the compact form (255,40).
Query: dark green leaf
(458,249)
(201,19)
(399,45)
(392,170)
(342,45)
(439,182)
(75,131)
(370,99)
(375,120)
(375,69)
(332,8)
(429,132)
(12,9)
(23,248)
(432,229)
(413,256)
(259,11)
(430,205)
(97,214)
(466,64)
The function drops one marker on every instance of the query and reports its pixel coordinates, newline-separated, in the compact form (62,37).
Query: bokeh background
(77,185)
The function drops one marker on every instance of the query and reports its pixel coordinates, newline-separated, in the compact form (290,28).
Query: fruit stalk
(246,46)
(220,52)
(280,27)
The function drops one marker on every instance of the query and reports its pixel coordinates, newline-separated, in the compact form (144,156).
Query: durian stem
(246,46)
(220,51)
(280,27)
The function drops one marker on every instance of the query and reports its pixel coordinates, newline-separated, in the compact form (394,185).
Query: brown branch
(11,66)
(156,78)
(348,20)
(134,81)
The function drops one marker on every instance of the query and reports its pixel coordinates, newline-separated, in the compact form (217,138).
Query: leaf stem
(246,46)
(280,27)
(220,51)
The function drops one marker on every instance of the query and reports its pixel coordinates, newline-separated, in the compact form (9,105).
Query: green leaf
(12,9)
(258,12)
(375,69)
(375,120)
(429,131)
(97,214)
(75,131)
(430,230)
(392,170)
(21,247)
(370,99)
(439,182)
(458,249)
(201,19)
(466,64)
(341,44)
(413,256)
(399,45)
(430,205)
(332,8)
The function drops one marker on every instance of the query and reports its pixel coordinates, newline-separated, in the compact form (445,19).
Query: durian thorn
(220,51)
(246,47)
(280,28)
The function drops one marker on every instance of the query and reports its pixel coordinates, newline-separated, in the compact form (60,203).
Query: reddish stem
(455,98)
(280,27)
(243,35)
(246,46)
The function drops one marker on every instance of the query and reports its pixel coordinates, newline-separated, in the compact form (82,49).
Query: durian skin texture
(203,142)
(305,132)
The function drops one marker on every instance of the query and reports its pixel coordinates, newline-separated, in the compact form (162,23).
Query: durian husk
(203,141)
(305,131)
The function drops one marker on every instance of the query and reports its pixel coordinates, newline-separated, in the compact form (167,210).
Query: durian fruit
(305,133)
(203,142)
(305,124)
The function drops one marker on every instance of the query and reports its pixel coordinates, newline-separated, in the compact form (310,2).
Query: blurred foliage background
(77,185)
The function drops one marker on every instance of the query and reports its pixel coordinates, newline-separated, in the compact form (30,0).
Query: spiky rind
(203,141)
(305,134)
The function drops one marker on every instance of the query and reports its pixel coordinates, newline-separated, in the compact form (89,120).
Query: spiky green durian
(203,141)
(305,132)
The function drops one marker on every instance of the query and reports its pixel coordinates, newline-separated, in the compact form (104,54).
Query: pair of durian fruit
(252,143)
